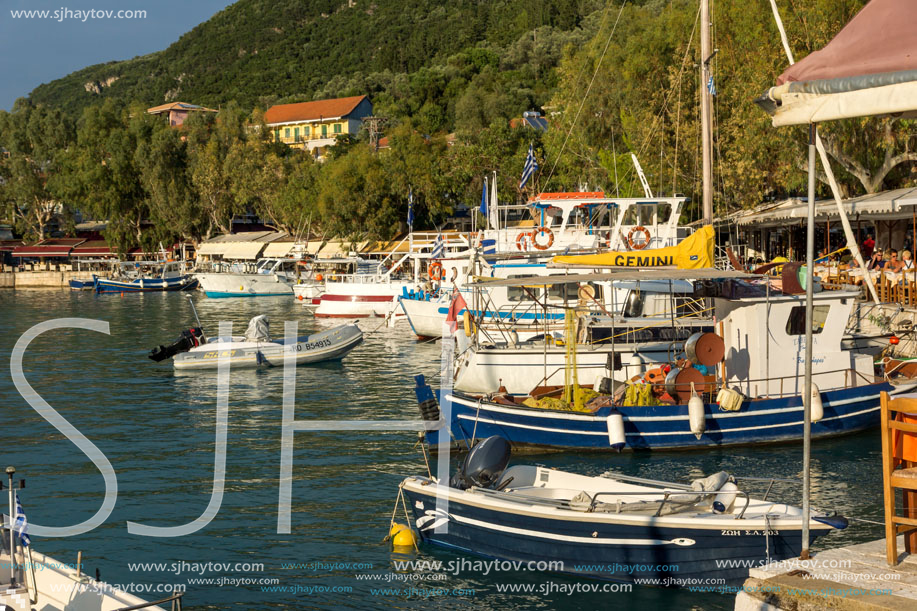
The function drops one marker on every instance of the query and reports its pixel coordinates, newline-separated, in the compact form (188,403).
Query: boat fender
(696,416)
(615,422)
(635,362)
(730,400)
(724,501)
(467,324)
(259,358)
(818,409)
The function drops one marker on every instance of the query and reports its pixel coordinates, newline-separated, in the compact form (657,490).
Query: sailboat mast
(706,111)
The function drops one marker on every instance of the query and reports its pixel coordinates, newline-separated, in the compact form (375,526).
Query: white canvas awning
(242,250)
(278,249)
(211,248)
(868,69)
(887,205)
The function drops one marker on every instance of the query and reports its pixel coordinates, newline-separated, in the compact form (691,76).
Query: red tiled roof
(60,247)
(177,106)
(310,111)
(92,248)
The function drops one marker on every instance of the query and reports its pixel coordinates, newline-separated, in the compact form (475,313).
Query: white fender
(818,410)
(615,423)
(696,416)
(724,500)
(635,362)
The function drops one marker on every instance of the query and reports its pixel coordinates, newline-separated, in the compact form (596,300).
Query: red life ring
(522,240)
(436,271)
(540,231)
(630,238)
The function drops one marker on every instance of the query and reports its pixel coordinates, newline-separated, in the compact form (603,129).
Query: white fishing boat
(193,350)
(268,277)
(570,223)
(30,580)
(374,286)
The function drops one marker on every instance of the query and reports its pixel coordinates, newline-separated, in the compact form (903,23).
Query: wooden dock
(854,578)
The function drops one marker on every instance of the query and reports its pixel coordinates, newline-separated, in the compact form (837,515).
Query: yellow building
(314,125)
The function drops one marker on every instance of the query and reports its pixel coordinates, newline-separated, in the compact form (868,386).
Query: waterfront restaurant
(777,229)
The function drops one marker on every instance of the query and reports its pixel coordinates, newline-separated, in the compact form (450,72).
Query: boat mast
(706,112)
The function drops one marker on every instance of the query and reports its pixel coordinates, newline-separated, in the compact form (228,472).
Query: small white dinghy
(193,350)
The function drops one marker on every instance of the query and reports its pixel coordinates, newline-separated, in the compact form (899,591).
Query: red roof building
(314,125)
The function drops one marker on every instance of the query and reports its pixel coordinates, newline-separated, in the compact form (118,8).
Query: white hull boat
(256,348)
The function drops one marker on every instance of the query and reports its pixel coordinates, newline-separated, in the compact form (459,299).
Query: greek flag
(21,525)
(710,86)
(411,209)
(438,247)
(531,166)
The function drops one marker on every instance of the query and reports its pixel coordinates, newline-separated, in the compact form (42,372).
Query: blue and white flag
(21,524)
(484,199)
(410,209)
(438,247)
(710,86)
(531,166)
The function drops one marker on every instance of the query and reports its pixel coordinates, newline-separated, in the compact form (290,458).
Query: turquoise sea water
(157,429)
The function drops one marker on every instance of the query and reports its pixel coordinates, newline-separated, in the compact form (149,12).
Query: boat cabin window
(640,214)
(562,292)
(518,293)
(796,323)
(663,212)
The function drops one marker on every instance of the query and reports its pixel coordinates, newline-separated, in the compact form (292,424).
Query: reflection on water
(157,429)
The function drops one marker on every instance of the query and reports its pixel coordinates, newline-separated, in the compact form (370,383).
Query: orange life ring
(521,240)
(436,271)
(630,238)
(540,231)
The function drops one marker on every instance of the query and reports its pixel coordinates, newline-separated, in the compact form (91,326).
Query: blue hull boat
(612,526)
(661,427)
(82,285)
(145,285)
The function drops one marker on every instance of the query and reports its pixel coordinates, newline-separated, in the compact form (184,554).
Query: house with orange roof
(177,111)
(314,125)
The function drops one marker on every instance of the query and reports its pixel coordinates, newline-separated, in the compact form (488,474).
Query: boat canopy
(868,69)
(629,274)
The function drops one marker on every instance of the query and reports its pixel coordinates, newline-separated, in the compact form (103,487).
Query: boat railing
(175,599)
(642,480)
(710,391)
(667,493)
(518,497)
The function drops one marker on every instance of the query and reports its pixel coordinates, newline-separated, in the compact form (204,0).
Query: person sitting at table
(906,262)
(877,261)
(893,264)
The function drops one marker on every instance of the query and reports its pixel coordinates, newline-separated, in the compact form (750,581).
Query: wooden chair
(899,449)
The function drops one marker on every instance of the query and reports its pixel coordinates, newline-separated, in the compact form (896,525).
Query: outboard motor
(484,464)
(186,341)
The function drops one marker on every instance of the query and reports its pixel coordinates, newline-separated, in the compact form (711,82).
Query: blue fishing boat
(82,285)
(146,277)
(745,386)
(608,527)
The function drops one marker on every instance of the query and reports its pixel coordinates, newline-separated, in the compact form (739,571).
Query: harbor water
(157,428)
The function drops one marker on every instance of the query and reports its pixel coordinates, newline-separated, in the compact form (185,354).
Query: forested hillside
(411,56)
(614,78)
